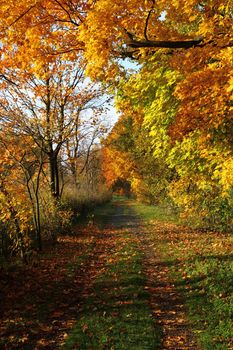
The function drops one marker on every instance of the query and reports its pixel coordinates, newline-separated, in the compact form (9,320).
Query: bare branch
(168,44)
(3,76)
(147,20)
(68,13)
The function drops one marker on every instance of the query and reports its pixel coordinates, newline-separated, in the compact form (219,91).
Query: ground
(104,285)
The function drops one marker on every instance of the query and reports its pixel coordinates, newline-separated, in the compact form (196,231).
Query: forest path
(166,303)
(102,286)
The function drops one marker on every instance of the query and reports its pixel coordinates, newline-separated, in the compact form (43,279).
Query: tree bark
(54,174)
(180,44)
(57,179)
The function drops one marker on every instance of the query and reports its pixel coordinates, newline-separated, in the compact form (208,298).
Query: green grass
(117,315)
(119,198)
(209,297)
(201,266)
(151,212)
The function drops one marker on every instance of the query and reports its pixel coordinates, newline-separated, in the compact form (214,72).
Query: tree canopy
(174,135)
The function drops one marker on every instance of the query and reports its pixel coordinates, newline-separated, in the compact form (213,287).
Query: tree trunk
(19,235)
(57,179)
(54,175)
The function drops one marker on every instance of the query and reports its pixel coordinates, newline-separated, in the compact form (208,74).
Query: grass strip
(201,266)
(117,315)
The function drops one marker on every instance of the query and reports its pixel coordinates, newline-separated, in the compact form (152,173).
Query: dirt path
(76,280)
(166,304)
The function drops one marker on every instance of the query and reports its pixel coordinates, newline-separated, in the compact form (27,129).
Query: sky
(112,115)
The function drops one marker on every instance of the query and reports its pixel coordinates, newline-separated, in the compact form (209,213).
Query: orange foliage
(115,165)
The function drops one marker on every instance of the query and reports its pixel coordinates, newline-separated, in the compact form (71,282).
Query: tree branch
(167,44)
(68,13)
(22,15)
(3,76)
(147,20)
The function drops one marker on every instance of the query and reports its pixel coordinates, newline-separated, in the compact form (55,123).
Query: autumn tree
(128,150)
(89,129)
(19,182)
(34,33)
(191,125)
(192,41)
(48,108)
(195,37)
(199,182)
(54,119)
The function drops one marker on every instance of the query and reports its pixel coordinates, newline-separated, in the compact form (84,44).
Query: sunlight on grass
(152,212)
(200,264)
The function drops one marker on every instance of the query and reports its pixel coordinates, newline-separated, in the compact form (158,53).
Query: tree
(78,148)
(19,169)
(114,29)
(48,108)
(34,33)
(129,152)
(185,52)
(196,37)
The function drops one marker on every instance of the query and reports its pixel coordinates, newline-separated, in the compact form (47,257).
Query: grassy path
(120,284)
(115,308)
(131,285)
(198,267)
(166,304)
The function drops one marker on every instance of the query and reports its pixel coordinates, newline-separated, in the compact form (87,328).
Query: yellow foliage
(224,174)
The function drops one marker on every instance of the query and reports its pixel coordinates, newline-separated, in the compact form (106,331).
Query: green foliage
(139,136)
(199,189)
(192,172)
